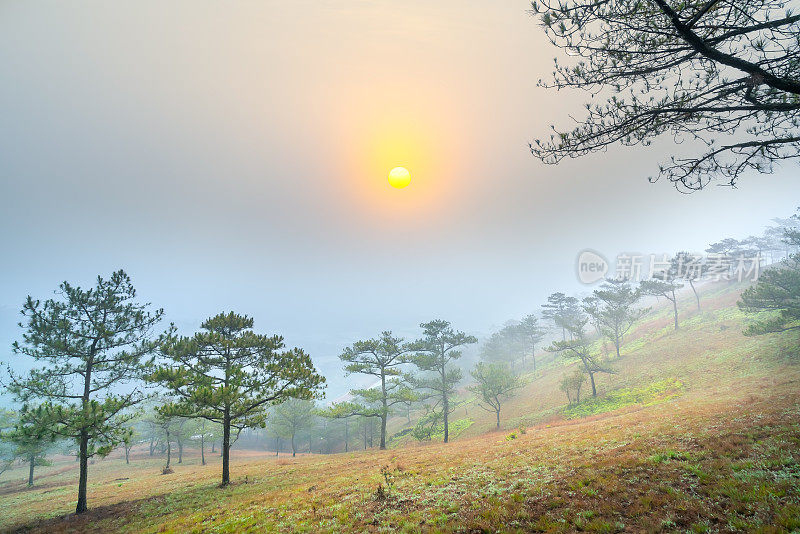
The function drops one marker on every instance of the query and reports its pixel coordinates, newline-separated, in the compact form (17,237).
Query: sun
(399,177)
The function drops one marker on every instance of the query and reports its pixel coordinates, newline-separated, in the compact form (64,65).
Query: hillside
(697,430)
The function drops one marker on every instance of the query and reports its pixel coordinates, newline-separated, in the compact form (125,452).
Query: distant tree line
(227,381)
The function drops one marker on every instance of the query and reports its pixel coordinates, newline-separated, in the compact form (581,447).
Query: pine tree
(90,342)
(228,374)
(776,292)
(494,384)
(611,308)
(434,353)
(381,358)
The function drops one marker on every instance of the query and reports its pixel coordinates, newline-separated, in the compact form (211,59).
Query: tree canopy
(494,384)
(777,292)
(721,73)
(90,341)
(228,374)
(433,353)
(612,310)
(380,358)
(579,346)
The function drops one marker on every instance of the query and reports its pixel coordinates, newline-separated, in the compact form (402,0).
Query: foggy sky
(233,156)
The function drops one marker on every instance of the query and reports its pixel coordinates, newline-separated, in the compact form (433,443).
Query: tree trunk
(446,407)
(696,295)
(384,412)
(294,449)
(346,436)
(84,472)
(32,461)
(675,308)
(617,343)
(127,455)
(213,446)
(152,446)
(180,451)
(169,450)
(277,445)
(202,449)
(83,479)
(498,418)
(591,378)
(226,448)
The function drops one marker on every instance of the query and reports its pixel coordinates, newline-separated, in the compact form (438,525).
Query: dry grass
(723,456)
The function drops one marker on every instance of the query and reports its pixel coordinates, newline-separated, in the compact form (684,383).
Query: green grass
(659,391)
(456,428)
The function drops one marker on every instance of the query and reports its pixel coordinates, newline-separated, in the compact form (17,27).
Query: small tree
(532,333)
(129,441)
(428,424)
(8,419)
(612,310)
(382,359)
(163,422)
(30,441)
(204,432)
(579,347)
(690,267)
(228,374)
(503,346)
(292,417)
(663,288)
(572,384)
(495,384)
(91,342)
(434,353)
(561,310)
(777,291)
(181,432)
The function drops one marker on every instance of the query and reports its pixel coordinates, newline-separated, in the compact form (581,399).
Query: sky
(234,156)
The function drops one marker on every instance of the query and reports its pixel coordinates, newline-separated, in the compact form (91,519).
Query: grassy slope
(719,454)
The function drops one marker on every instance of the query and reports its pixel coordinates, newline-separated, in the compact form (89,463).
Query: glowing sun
(399,177)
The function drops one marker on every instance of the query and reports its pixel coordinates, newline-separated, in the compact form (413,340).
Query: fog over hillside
(381,266)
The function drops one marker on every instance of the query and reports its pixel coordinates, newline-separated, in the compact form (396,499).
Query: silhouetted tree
(721,73)
(503,346)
